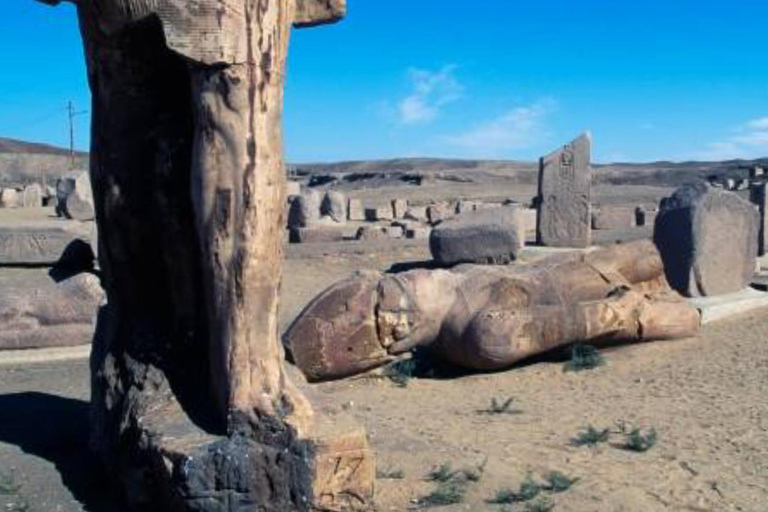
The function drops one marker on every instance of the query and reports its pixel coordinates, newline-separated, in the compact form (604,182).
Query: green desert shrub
(584,357)
(557,482)
(590,436)
(638,441)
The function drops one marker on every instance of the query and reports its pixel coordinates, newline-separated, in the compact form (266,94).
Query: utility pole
(72,115)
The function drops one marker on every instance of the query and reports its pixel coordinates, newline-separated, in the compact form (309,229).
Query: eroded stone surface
(304,210)
(54,315)
(484,237)
(708,239)
(334,205)
(565,195)
(40,242)
(32,196)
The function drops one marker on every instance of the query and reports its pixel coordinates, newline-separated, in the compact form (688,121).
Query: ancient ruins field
(705,397)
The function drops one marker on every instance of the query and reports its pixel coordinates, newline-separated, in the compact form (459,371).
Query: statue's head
(337,335)
(366,321)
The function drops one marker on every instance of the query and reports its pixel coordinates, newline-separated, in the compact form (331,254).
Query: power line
(72,114)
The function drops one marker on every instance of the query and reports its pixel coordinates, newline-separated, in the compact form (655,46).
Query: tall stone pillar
(564,202)
(192,409)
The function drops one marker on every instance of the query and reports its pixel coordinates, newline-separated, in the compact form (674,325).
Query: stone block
(417,213)
(50,314)
(418,233)
(381,213)
(292,188)
(41,242)
(304,210)
(372,233)
(645,216)
(75,197)
(482,237)
(395,232)
(334,205)
(317,234)
(437,213)
(356,211)
(565,196)
(608,218)
(758,195)
(9,198)
(32,196)
(708,240)
(399,208)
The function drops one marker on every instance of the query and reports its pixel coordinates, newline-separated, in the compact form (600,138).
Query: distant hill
(23,162)
(34,148)
(377,173)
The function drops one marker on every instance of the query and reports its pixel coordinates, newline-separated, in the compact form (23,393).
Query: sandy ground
(706,398)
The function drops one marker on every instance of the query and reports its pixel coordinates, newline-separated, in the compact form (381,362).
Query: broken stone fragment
(334,206)
(708,239)
(41,242)
(49,314)
(75,196)
(356,211)
(317,234)
(399,208)
(483,237)
(9,198)
(304,210)
(32,196)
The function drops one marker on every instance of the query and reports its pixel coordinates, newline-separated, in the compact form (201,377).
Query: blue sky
(658,79)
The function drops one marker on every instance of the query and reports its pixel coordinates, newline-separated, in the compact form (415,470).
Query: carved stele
(565,196)
(192,409)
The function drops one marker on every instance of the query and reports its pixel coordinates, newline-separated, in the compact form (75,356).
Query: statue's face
(336,336)
(362,323)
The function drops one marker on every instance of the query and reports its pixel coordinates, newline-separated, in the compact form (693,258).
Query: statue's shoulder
(214,31)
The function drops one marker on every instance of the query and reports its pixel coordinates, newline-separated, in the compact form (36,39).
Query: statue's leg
(497,339)
(595,275)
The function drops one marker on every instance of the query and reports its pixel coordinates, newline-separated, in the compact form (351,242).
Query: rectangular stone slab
(40,242)
(723,307)
(565,196)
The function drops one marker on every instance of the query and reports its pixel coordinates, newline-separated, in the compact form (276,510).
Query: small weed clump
(498,407)
(447,493)
(453,484)
(637,441)
(391,474)
(558,482)
(529,490)
(590,436)
(532,493)
(443,473)
(401,372)
(584,357)
(542,504)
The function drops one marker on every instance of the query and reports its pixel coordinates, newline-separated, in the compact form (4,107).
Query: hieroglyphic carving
(565,197)
(40,243)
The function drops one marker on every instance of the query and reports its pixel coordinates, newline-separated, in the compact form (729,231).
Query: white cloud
(749,140)
(520,128)
(432,90)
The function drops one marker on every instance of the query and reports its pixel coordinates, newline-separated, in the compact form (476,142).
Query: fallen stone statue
(490,317)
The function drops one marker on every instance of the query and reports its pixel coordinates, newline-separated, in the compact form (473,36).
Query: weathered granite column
(192,410)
